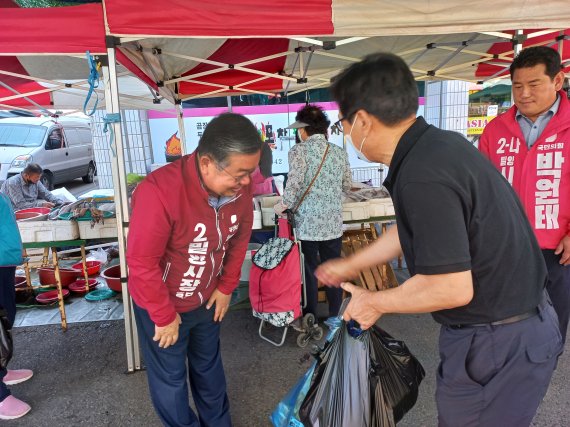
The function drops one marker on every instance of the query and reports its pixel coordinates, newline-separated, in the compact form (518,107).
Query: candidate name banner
(271,122)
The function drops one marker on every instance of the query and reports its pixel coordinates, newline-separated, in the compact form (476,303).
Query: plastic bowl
(20,281)
(50,296)
(67,275)
(93,267)
(112,276)
(23,293)
(31,213)
(78,286)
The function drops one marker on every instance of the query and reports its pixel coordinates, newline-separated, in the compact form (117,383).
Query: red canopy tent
(196,49)
(42,49)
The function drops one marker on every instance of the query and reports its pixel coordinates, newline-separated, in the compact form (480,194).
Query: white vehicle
(63,147)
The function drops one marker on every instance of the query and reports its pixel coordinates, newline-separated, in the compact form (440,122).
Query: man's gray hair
(229,134)
(33,169)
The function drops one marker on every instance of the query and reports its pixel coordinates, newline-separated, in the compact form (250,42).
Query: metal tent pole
(121,203)
(181,128)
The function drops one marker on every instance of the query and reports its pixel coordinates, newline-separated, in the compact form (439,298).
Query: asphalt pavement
(78,187)
(80,377)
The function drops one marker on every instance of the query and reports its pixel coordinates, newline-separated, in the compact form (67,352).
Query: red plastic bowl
(31,213)
(26,215)
(20,281)
(23,293)
(112,276)
(50,296)
(93,267)
(67,275)
(78,286)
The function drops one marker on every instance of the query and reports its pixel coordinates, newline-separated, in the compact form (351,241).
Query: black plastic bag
(395,377)
(362,379)
(339,393)
(6,344)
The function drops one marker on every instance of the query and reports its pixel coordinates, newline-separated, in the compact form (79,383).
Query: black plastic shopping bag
(6,344)
(339,392)
(395,377)
(362,379)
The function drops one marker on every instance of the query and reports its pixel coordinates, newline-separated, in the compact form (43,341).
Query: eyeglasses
(338,124)
(238,179)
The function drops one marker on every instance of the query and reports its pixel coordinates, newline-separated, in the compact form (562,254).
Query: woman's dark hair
(315,118)
(382,84)
(535,55)
(229,134)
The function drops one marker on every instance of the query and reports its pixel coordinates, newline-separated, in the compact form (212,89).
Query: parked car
(63,147)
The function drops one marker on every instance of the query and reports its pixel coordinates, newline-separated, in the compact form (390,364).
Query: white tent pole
(516,50)
(181,128)
(121,202)
(58,86)
(25,95)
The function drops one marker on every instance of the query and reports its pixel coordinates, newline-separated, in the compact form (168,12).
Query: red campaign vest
(180,249)
(540,176)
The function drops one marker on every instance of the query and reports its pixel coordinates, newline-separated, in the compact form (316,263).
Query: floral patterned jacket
(319,217)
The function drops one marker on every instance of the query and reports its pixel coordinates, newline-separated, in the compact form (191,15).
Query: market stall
(184,50)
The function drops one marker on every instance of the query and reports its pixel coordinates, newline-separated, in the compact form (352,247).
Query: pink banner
(257,109)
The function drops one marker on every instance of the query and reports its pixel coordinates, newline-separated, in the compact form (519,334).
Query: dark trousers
(198,346)
(496,375)
(8,303)
(313,251)
(558,287)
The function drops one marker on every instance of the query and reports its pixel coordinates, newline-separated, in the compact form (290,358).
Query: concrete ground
(80,377)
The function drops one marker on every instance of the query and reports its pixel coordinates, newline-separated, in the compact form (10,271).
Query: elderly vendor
(25,190)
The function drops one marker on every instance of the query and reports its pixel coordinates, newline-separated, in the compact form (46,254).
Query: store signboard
(475,125)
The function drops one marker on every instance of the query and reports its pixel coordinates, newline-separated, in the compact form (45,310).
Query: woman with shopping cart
(318,173)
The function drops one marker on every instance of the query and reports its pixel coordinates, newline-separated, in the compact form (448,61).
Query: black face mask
(28,182)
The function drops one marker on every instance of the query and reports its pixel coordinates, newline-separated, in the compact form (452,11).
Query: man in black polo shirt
(473,258)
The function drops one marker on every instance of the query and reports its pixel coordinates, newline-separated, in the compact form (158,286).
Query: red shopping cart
(276,282)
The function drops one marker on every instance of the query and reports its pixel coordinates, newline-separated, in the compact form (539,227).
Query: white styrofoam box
(269,201)
(268,217)
(355,211)
(257,223)
(381,207)
(48,231)
(100,230)
(267,213)
(246,266)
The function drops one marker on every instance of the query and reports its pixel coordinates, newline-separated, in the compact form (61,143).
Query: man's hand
(167,335)
(564,249)
(222,302)
(335,271)
(361,306)
(48,205)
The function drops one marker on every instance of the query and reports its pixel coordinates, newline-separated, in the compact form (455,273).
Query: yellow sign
(475,125)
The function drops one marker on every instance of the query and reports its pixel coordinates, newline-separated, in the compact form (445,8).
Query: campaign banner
(271,122)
